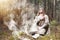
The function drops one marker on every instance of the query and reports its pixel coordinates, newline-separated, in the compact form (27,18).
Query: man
(40,24)
(43,23)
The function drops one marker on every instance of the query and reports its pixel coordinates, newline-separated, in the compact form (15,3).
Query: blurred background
(52,8)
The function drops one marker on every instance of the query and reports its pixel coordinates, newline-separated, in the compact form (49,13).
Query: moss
(53,23)
(3,33)
(11,38)
(47,37)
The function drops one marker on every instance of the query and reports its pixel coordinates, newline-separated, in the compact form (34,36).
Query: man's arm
(46,21)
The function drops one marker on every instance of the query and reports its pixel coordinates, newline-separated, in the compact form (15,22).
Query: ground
(5,34)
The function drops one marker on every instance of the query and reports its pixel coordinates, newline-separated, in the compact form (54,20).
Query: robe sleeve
(46,21)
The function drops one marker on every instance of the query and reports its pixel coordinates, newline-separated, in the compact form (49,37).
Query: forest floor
(5,34)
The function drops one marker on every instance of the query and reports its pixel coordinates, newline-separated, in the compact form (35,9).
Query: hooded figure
(40,24)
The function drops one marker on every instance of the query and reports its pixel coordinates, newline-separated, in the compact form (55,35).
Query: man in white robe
(40,24)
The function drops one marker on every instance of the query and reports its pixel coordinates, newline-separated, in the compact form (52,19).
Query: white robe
(41,29)
(36,28)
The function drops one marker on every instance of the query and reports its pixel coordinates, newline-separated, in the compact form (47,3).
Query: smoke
(27,16)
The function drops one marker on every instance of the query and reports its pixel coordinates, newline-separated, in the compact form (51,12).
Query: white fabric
(41,31)
(35,36)
(46,21)
(35,28)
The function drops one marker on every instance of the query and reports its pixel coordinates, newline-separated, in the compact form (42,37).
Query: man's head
(41,11)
